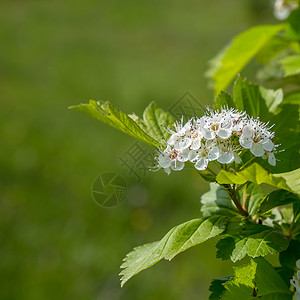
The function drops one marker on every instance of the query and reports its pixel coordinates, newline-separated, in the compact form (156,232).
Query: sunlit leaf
(256,280)
(257,174)
(177,240)
(276,198)
(217,202)
(150,130)
(241,50)
(250,239)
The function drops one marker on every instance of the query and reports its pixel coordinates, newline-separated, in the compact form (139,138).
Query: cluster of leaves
(254,210)
(242,235)
(275,47)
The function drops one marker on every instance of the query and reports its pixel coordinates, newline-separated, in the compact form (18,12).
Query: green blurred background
(56,242)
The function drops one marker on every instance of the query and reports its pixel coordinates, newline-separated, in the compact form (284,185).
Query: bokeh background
(56,242)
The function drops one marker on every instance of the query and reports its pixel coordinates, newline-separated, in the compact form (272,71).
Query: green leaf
(291,65)
(285,274)
(257,174)
(292,27)
(177,240)
(250,239)
(272,98)
(156,121)
(256,100)
(292,98)
(275,199)
(217,202)
(217,288)
(241,285)
(207,176)
(289,257)
(277,46)
(254,196)
(247,97)
(287,129)
(291,179)
(223,100)
(148,130)
(256,280)
(241,50)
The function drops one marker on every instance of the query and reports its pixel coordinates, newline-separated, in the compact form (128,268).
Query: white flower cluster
(217,136)
(295,282)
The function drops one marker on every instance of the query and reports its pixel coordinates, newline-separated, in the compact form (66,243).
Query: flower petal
(237,159)
(226,158)
(257,150)
(201,164)
(208,134)
(272,159)
(224,133)
(193,155)
(247,131)
(268,145)
(164,160)
(214,153)
(183,155)
(196,143)
(245,142)
(177,165)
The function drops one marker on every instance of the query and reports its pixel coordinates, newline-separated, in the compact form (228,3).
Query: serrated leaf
(217,202)
(275,199)
(223,100)
(241,50)
(257,174)
(256,280)
(133,126)
(291,65)
(156,121)
(217,288)
(272,98)
(255,99)
(250,239)
(241,285)
(247,97)
(177,240)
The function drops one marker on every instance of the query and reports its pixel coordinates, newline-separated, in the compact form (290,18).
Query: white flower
(217,124)
(217,136)
(170,158)
(283,8)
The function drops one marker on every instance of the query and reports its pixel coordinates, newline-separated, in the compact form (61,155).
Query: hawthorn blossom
(218,136)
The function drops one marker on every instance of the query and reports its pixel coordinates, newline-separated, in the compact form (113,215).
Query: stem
(251,159)
(233,195)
